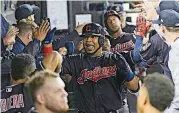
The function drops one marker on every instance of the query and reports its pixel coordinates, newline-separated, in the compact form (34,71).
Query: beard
(111,32)
(115,28)
(57,110)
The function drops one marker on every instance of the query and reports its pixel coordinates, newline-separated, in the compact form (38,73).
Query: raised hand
(9,39)
(141,28)
(41,32)
(80,27)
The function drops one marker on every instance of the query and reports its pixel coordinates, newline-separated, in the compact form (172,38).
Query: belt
(115,111)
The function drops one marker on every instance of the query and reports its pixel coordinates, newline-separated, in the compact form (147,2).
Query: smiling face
(91,43)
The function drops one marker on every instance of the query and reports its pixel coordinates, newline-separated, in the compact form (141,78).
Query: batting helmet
(94,29)
(110,13)
(118,8)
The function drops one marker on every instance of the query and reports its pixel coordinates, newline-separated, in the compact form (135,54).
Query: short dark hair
(172,29)
(25,26)
(160,90)
(22,66)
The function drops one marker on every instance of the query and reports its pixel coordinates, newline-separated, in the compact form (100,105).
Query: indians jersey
(156,50)
(16,99)
(125,42)
(97,80)
(124,45)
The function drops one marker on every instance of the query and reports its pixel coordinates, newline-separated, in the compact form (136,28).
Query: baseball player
(169,20)
(8,34)
(53,100)
(16,98)
(121,42)
(25,39)
(156,50)
(26,12)
(155,94)
(97,76)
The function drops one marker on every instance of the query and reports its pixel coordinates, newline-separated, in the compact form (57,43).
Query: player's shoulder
(127,34)
(130,36)
(16,86)
(11,86)
(156,36)
(32,110)
(106,54)
(130,24)
(118,54)
(156,39)
(12,89)
(113,55)
(74,57)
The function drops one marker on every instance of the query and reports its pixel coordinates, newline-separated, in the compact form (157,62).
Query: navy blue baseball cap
(118,8)
(169,18)
(25,10)
(164,5)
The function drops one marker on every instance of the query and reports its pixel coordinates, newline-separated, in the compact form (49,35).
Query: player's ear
(39,98)
(143,96)
(145,99)
(142,99)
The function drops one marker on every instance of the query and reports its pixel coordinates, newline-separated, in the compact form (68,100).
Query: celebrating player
(97,76)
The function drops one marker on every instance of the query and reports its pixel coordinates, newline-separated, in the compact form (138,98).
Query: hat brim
(120,12)
(35,9)
(156,22)
(157,10)
(90,34)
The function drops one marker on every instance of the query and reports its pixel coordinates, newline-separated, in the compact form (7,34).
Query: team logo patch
(8,89)
(88,28)
(96,74)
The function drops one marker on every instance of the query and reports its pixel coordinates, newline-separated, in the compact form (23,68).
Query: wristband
(129,77)
(47,50)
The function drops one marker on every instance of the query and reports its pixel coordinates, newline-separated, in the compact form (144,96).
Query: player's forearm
(136,52)
(133,84)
